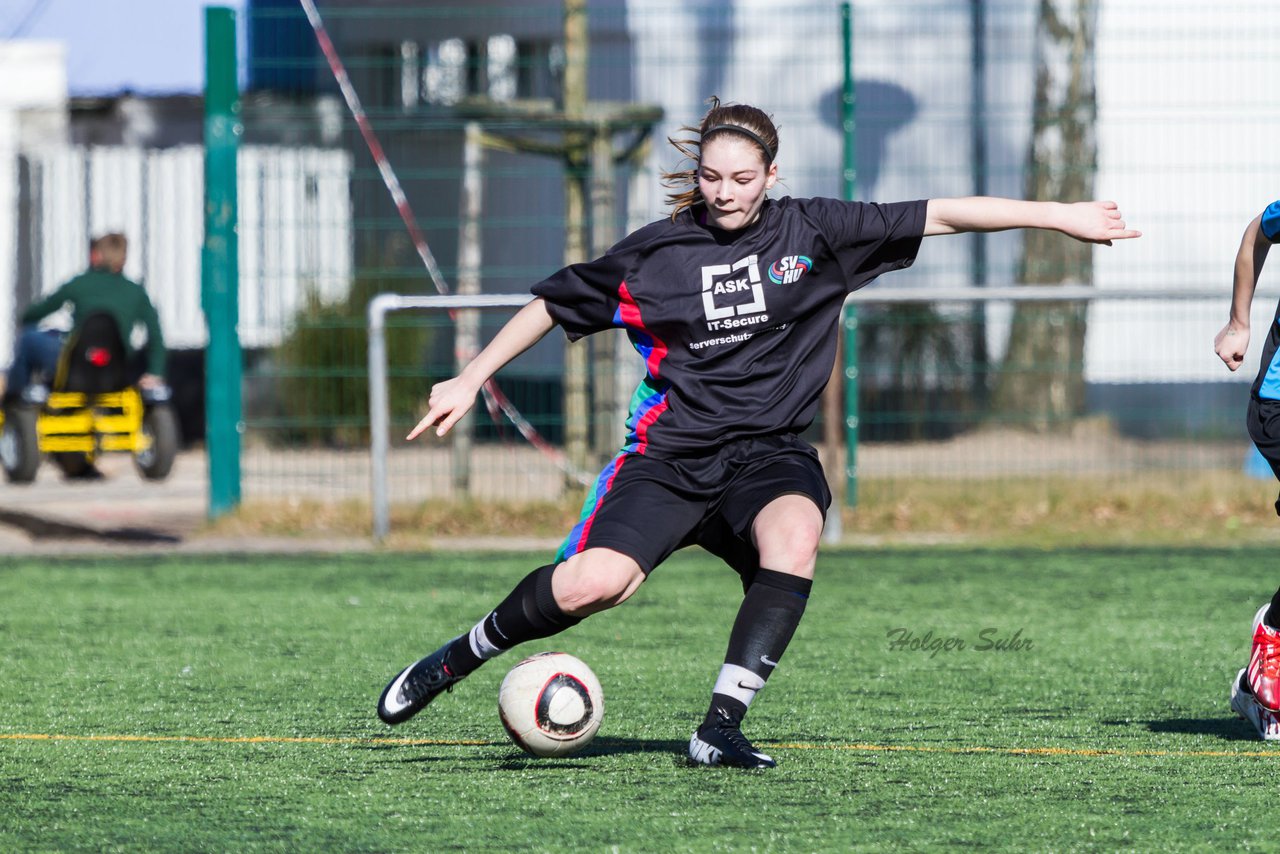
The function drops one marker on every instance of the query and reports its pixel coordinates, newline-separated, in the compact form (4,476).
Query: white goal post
(379,401)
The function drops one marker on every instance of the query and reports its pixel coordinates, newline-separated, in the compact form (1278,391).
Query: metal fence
(946,106)
(293,209)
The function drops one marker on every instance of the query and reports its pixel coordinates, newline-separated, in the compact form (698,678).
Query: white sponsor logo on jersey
(732,296)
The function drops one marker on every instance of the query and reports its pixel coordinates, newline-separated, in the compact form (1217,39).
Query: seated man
(103,288)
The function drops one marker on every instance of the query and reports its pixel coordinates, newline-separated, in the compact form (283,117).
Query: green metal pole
(849,318)
(220,279)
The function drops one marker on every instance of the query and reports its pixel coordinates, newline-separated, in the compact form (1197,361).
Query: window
(445,75)
(501,67)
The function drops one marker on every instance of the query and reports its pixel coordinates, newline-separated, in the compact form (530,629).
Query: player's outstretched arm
(1090,222)
(1233,341)
(451,399)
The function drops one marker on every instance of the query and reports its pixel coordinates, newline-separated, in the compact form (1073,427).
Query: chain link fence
(952,98)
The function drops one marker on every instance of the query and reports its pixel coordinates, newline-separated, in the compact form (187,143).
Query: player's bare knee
(795,559)
(791,548)
(591,599)
(787,531)
(587,586)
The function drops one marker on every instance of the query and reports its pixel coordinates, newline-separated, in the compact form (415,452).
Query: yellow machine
(73,428)
(89,411)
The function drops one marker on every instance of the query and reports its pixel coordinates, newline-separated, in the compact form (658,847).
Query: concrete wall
(33,95)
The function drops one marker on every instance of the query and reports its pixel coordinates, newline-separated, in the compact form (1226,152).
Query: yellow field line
(247,739)
(1023,751)
(431,742)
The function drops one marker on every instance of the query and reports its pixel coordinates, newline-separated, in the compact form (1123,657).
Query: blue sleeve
(1271,222)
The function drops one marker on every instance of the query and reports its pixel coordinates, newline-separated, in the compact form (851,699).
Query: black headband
(745,132)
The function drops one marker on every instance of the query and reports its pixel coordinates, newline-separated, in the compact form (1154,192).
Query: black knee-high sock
(1273,613)
(529,612)
(766,622)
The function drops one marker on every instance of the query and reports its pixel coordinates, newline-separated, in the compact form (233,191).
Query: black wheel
(72,463)
(159,425)
(20,444)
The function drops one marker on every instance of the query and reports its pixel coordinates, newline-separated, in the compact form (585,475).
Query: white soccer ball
(551,704)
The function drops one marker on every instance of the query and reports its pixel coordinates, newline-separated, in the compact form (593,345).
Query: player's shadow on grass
(613,746)
(512,758)
(1227,729)
(676,751)
(41,528)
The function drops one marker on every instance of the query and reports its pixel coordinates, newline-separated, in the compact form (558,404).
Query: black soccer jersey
(737,329)
(1267,384)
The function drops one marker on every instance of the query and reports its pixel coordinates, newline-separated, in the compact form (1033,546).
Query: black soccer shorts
(648,507)
(1263,421)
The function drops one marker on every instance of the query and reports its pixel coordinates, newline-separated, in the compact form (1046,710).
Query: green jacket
(100,290)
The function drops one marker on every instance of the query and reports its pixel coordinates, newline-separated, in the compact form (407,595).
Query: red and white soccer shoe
(1264,663)
(1244,705)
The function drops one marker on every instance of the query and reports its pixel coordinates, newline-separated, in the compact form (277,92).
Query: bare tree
(1043,376)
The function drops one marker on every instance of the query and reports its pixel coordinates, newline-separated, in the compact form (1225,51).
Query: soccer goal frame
(379,396)
(383,304)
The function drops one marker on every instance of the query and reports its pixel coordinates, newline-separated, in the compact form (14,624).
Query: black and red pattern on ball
(512,731)
(542,713)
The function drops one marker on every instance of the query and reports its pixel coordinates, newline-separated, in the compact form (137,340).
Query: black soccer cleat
(415,687)
(722,743)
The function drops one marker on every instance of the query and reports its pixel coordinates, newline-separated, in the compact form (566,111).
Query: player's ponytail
(752,123)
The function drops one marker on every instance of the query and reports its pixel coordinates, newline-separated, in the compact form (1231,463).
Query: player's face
(733,180)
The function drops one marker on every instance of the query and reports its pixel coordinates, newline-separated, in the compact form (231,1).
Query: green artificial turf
(227,703)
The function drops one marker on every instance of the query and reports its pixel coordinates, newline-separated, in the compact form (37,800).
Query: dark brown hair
(749,122)
(111,250)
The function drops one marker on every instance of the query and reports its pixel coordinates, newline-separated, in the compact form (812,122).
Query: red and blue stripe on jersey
(647,404)
(650,399)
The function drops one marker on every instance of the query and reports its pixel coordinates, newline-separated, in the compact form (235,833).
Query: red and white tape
(495,400)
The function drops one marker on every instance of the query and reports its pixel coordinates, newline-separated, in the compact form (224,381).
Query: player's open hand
(449,401)
(1097,222)
(1231,344)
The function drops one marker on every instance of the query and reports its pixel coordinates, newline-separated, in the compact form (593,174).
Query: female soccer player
(733,303)
(1255,690)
